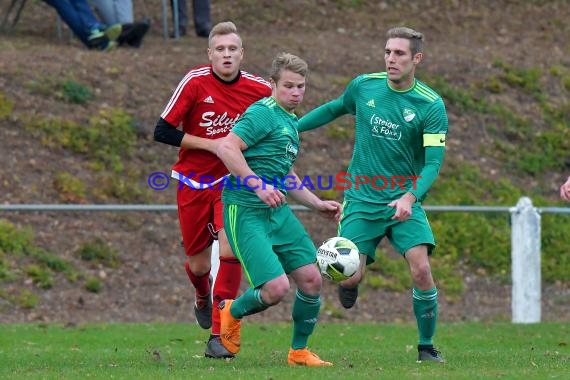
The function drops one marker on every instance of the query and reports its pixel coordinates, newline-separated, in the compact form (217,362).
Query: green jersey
(271,135)
(392,131)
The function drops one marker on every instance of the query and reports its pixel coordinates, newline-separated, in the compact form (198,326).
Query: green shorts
(267,242)
(366,224)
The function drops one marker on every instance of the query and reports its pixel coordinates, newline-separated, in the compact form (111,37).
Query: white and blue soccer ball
(338,259)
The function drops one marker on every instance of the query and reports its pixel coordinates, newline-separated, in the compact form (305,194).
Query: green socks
(425,309)
(248,303)
(305,312)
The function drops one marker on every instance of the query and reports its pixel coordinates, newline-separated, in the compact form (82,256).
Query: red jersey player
(207,102)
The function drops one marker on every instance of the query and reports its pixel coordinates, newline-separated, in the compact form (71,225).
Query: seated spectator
(121,12)
(79,16)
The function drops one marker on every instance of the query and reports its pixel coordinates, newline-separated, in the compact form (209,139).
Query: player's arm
(167,133)
(328,112)
(434,156)
(322,115)
(420,185)
(434,137)
(229,150)
(565,190)
(304,196)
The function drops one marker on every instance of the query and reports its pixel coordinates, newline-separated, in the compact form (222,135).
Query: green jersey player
(266,237)
(400,133)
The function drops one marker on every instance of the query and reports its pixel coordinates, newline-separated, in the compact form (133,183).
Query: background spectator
(202,21)
(121,12)
(79,16)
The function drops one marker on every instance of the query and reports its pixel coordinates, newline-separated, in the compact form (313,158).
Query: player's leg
(414,239)
(348,289)
(425,305)
(227,281)
(194,215)
(297,254)
(247,230)
(363,224)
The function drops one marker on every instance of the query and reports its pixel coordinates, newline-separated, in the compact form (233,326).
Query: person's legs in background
(121,12)
(114,11)
(182,17)
(78,15)
(70,16)
(202,22)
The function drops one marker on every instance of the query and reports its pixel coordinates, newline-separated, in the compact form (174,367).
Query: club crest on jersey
(291,152)
(408,114)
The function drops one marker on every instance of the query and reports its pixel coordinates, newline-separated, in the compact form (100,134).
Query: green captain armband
(434,139)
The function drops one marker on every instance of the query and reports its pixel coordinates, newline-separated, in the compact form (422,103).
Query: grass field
(358,351)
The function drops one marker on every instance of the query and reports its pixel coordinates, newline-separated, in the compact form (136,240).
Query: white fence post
(525,262)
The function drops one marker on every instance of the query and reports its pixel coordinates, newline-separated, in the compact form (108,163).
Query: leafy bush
(70,188)
(98,252)
(41,277)
(13,241)
(73,92)
(67,90)
(108,138)
(93,285)
(524,145)
(125,187)
(54,262)
(6,106)
(17,250)
(26,299)
(107,142)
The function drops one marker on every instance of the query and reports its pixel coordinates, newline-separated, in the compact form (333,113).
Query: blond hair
(222,29)
(290,62)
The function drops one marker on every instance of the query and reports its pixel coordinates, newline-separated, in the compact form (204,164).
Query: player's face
(400,64)
(289,90)
(225,54)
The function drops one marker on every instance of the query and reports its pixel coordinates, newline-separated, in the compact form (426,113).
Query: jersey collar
(225,81)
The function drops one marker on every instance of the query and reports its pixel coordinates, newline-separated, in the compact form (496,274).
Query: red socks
(226,287)
(201,284)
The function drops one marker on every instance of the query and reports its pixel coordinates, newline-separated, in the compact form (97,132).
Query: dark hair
(416,38)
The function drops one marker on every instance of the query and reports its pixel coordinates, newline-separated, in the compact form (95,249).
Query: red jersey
(208,107)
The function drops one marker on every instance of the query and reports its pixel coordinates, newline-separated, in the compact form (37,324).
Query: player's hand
(270,195)
(565,190)
(403,207)
(330,210)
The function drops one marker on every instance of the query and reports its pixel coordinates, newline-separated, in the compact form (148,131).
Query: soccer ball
(338,259)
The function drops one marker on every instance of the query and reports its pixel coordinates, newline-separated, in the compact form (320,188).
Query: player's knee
(199,264)
(275,290)
(311,282)
(422,275)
